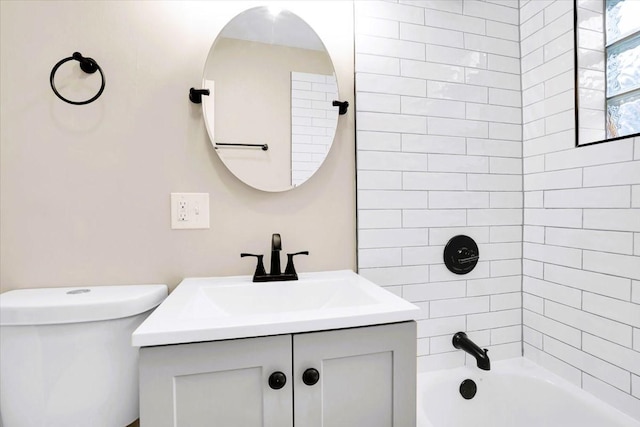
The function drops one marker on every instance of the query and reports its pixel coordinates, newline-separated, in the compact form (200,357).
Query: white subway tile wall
(439,140)
(313,122)
(465,125)
(581,312)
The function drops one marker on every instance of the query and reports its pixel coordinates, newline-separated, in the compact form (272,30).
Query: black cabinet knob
(310,376)
(277,380)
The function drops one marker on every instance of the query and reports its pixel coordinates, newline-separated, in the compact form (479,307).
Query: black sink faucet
(275,274)
(461,341)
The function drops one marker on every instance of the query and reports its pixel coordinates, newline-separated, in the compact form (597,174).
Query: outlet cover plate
(189,211)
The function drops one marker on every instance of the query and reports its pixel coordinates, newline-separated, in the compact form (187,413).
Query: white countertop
(218,308)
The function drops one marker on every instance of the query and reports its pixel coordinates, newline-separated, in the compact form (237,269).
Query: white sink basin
(277,297)
(208,309)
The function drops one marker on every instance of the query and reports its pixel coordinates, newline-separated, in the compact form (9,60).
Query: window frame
(607,48)
(576,80)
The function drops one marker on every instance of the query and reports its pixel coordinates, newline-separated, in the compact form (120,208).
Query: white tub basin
(208,309)
(514,393)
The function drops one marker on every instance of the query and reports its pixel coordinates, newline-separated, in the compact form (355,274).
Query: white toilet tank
(66,357)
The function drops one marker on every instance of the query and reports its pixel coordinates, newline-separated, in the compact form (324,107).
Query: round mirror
(270,114)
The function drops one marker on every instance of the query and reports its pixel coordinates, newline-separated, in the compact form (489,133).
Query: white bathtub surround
(439,154)
(515,392)
(441,151)
(581,295)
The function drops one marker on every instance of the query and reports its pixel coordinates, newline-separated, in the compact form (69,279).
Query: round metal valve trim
(277,380)
(310,376)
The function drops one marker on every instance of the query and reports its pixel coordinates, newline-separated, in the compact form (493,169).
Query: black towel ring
(89,66)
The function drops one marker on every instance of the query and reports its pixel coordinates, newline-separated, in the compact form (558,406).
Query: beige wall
(253,105)
(85,189)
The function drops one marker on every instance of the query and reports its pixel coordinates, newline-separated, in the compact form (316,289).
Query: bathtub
(515,393)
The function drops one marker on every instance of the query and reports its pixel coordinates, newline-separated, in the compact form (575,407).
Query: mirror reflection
(607,70)
(272,86)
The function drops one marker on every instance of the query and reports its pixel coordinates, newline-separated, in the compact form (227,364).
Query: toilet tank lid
(48,306)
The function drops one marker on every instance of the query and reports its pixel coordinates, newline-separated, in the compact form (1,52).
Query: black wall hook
(195,95)
(89,66)
(344,105)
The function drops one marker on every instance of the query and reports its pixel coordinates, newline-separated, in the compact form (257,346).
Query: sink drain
(78,291)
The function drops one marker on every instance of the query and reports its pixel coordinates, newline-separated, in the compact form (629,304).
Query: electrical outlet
(189,210)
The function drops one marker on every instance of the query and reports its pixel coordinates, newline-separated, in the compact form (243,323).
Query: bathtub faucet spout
(461,341)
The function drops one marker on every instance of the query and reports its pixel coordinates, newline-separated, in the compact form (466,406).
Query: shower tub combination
(515,392)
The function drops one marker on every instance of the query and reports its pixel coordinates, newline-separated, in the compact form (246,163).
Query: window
(622,55)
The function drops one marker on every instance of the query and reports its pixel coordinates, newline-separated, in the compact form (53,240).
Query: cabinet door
(220,383)
(367,377)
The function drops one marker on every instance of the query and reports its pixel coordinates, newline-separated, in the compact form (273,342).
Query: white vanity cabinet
(366,376)
(216,383)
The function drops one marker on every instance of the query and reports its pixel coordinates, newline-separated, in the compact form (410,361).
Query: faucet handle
(290,268)
(260,271)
